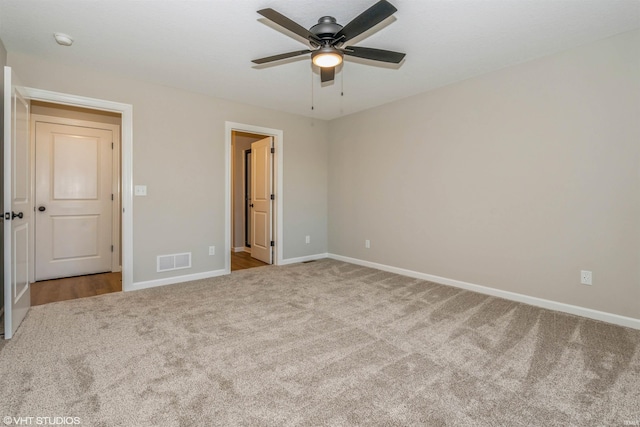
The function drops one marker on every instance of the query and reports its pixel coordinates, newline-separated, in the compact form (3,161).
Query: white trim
(278,136)
(616,319)
(304,259)
(126,111)
(239,249)
(177,279)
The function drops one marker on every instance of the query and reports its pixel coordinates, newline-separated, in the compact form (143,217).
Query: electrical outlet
(367,244)
(140,190)
(212,250)
(586,277)
(307,240)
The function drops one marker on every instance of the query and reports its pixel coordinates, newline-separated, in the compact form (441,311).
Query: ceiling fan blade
(327,74)
(290,25)
(375,54)
(367,19)
(281,56)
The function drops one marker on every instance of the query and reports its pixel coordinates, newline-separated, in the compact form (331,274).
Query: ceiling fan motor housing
(326,28)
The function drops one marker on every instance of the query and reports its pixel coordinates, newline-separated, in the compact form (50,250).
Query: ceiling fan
(328,39)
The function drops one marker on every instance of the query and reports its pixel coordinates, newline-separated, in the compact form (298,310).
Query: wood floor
(97,284)
(242,260)
(75,287)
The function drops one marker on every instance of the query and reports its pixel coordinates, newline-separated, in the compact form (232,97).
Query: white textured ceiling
(206,46)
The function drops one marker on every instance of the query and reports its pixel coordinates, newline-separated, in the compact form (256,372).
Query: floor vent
(174,262)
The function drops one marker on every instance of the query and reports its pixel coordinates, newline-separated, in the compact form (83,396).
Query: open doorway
(253,195)
(277,205)
(77,202)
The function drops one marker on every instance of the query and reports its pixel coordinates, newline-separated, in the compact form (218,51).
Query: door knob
(19,215)
(42,208)
(251,205)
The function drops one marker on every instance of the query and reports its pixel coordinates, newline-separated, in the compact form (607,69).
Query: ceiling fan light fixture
(327,57)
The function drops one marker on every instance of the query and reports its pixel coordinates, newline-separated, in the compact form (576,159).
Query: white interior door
(261,191)
(73,200)
(17,205)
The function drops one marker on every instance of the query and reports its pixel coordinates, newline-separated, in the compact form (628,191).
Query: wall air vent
(174,262)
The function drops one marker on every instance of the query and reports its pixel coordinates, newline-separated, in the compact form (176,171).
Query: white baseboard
(239,249)
(616,319)
(176,279)
(303,259)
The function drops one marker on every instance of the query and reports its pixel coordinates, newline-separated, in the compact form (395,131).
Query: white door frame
(126,111)
(115,180)
(278,138)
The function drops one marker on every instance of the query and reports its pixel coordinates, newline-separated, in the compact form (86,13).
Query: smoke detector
(63,39)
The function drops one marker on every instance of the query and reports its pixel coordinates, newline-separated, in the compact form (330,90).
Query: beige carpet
(323,343)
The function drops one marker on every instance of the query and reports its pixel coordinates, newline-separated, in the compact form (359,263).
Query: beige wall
(515,180)
(178,152)
(3,57)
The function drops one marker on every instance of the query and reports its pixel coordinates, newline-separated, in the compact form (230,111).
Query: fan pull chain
(342,91)
(312,99)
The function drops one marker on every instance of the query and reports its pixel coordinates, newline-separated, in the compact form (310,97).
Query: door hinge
(273,243)
(112,145)
(273,150)
(111,248)
(273,197)
(112,197)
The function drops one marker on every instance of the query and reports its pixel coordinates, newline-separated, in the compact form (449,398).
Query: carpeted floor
(323,343)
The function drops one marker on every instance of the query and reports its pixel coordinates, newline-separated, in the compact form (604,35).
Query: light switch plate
(140,190)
